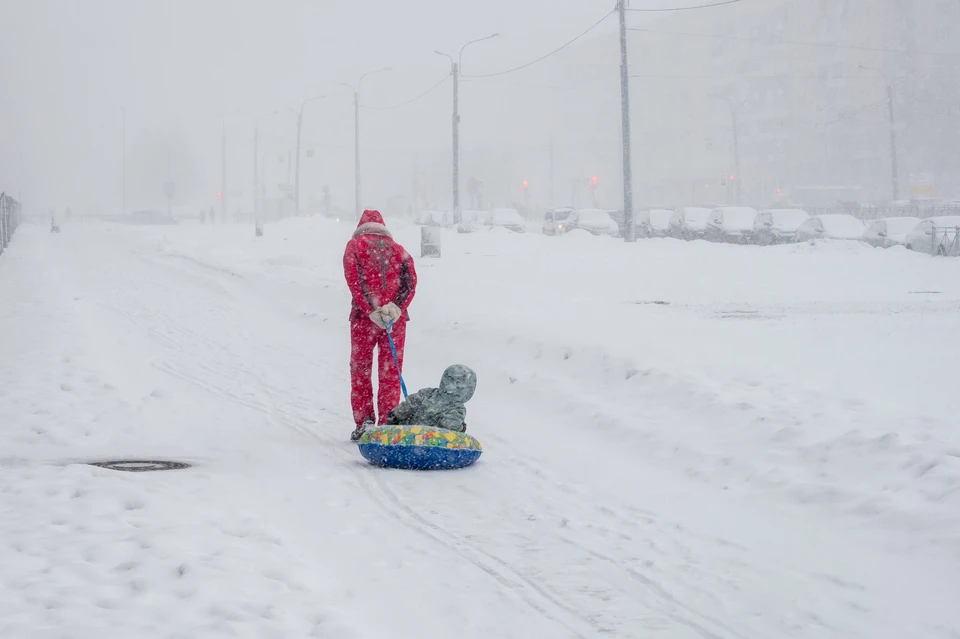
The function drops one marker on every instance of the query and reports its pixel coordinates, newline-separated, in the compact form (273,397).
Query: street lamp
(736,144)
(894,163)
(296,192)
(356,133)
(455,67)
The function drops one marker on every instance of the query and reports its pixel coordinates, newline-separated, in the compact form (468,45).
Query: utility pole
(894,163)
(223,172)
(552,201)
(123,169)
(895,169)
(256,174)
(630,234)
(455,67)
(456,143)
(356,134)
(736,153)
(289,164)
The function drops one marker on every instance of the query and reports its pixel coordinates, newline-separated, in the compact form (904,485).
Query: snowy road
(743,462)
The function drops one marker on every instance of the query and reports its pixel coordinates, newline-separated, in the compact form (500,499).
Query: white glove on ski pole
(391,311)
(379,318)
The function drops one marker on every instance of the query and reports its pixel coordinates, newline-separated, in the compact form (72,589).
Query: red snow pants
(364,336)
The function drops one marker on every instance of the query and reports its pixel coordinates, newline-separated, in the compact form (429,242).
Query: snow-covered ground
(682,440)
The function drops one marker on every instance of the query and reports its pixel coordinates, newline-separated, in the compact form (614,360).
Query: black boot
(358,433)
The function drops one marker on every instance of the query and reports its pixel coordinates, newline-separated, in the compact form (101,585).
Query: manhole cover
(140,466)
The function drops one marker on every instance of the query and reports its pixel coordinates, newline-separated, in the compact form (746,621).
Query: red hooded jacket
(378,270)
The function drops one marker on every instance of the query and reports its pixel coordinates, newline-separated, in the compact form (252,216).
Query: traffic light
(733,177)
(593,183)
(219,195)
(525,186)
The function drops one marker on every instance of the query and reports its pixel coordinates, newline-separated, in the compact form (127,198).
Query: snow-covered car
(654,222)
(936,236)
(733,224)
(891,231)
(833,226)
(595,221)
(556,221)
(508,219)
(689,223)
(433,218)
(777,226)
(471,221)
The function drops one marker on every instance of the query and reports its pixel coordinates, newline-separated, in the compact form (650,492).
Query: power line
(410,101)
(796,42)
(702,6)
(542,58)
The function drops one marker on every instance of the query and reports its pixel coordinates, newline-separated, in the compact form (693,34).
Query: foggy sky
(69,67)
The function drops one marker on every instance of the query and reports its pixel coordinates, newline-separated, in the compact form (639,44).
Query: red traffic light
(525,185)
(593,183)
(219,196)
(733,177)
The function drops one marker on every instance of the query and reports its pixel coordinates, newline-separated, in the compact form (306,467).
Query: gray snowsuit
(443,407)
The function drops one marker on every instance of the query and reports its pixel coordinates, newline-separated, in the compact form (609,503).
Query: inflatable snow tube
(419,448)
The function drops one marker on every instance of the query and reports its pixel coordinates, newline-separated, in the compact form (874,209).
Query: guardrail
(9,219)
(946,241)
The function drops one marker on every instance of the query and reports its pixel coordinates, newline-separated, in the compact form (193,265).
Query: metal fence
(946,241)
(872,213)
(9,219)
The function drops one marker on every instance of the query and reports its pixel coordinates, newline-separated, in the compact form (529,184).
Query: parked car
(935,236)
(654,222)
(778,226)
(733,224)
(471,221)
(833,226)
(689,223)
(595,221)
(433,218)
(508,219)
(556,221)
(891,231)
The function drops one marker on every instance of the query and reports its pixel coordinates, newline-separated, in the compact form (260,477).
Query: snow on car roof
(738,217)
(841,223)
(899,225)
(788,217)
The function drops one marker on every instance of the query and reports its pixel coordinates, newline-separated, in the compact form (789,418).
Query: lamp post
(455,67)
(296,188)
(356,134)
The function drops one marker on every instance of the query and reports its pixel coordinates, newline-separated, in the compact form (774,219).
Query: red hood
(371,216)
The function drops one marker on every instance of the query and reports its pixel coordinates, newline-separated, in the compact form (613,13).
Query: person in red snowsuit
(382,282)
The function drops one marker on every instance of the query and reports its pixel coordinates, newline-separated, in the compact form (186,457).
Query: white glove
(391,311)
(379,318)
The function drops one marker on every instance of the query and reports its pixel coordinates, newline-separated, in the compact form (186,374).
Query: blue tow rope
(393,349)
